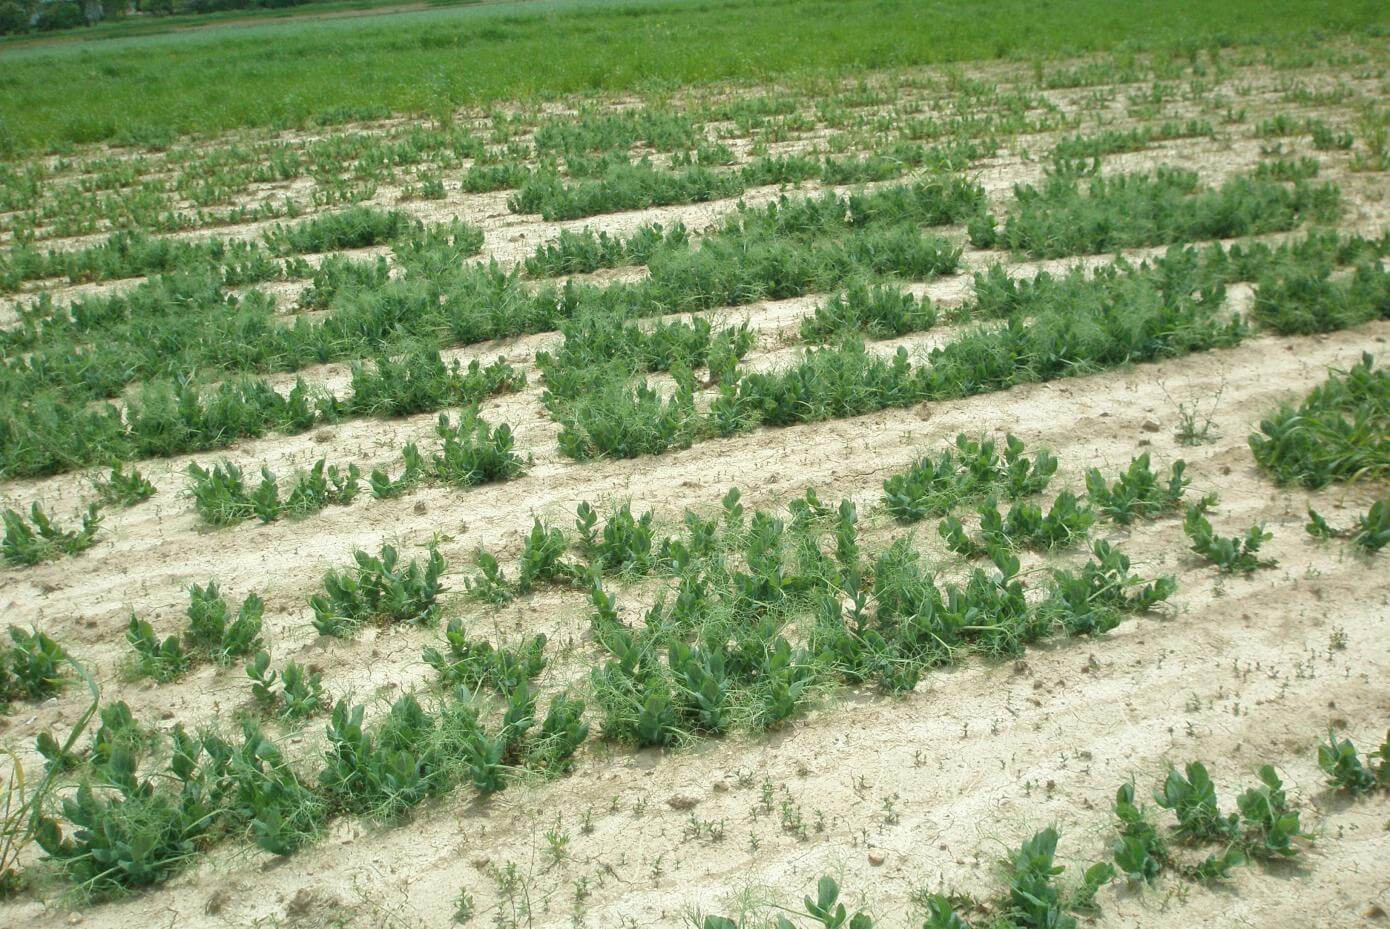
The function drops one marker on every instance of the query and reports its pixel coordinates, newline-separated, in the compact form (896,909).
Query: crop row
(1056,326)
(758,616)
(622,185)
(742,580)
(48,436)
(1053,328)
(1137,210)
(752,256)
(470,452)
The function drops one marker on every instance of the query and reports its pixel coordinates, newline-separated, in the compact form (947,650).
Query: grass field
(152,88)
(791,482)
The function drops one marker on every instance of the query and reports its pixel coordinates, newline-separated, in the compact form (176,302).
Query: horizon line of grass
(149,90)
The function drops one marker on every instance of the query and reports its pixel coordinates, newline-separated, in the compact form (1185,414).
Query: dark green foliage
(161,660)
(1111,141)
(1062,341)
(1140,851)
(620,187)
(163,420)
(321,486)
(601,347)
(879,311)
(472,452)
(975,467)
(413,754)
(385,487)
(490,585)
(587,250)
(214,633)
(357,227)
(378,588)
(1035,901)
(1270,826)
(338,276)
(827,909)
(1134,210)
(123,488)
(563,730)
(1238,553)
(434,251)
(941,914)
(1193,800)
(1265,828)
(220,495)
(420,381)
(1304,299)
(621,421)
(1346,771)
(133,835)
(28,542)
(1370,532)
(133,253)
(31,667)
(716,651)
(625,545)
(788,248)
(1025,526)
(298,695)
(261,793)
(1288,169)
(383,772)
(542,559)
(1096,597)
(474,664)
(1138,493)
(1340,432)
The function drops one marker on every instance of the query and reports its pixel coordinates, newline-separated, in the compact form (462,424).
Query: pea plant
(297,695)
(1330,436)
(31,667)
(36,539)
(123,488)
(222,497)
(1237,553)
(1370,533)
(378,588)
(1346,771)
(474,663)
(213,633)
(971,469)
(1138,493)
(1025,526)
